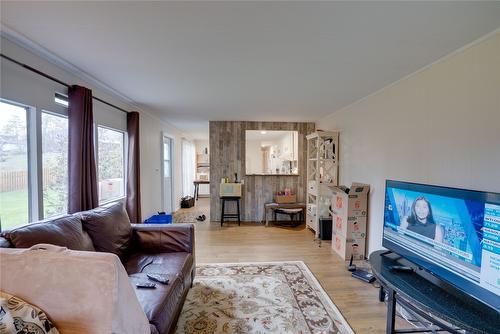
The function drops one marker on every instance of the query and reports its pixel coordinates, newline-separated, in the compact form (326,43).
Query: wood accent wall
(227,156)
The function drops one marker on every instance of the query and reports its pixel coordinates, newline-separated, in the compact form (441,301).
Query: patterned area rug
(270,297)
(182,216)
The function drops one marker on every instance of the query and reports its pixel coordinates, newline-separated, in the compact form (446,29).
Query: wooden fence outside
(18,180)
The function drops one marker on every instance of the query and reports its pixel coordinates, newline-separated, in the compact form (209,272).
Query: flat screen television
(452,233)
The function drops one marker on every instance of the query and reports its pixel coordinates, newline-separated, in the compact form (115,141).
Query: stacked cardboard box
(349,214)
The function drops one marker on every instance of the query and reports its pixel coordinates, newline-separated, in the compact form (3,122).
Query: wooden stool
(230,215)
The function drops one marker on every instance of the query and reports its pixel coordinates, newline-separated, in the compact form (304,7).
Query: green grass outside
(14,208)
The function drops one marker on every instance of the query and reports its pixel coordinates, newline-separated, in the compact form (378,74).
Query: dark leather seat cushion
(109,228)
(163,263)
(162,303)
(66,231)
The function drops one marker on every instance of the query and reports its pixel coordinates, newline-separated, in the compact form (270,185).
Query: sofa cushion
(165,263)
(161,305)
(65,231)
(109,228)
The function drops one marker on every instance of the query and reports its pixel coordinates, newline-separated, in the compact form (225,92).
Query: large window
(54,164)
(34,163)
(14,179)
(111,163)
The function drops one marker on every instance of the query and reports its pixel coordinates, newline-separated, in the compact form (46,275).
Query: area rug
(270,297)
(181,216)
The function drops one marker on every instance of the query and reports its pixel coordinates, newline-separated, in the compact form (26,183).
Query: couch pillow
(65,231)
(109,228)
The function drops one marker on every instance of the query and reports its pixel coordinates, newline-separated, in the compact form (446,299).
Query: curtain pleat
(82,175)
(133,202)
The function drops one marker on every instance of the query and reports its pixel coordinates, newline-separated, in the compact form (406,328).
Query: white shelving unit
(203,173)
(322,172)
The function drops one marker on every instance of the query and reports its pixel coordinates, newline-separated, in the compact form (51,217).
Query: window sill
(112,201)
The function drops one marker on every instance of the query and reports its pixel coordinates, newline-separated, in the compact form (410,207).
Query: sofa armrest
(164,238)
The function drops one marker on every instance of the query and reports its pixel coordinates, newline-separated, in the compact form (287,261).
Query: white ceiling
(268,61)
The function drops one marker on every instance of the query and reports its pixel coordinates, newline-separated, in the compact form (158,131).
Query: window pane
(110,145)
(55,164)
(14,197)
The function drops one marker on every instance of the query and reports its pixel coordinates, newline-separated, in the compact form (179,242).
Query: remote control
(161,278)
(145,285)
(401,268)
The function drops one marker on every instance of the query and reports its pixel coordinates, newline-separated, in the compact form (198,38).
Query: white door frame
(172,171)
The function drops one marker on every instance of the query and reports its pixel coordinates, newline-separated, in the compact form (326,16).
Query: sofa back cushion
(65,231)
(109,228)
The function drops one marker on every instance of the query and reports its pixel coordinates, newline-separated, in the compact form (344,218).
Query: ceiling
(191,62)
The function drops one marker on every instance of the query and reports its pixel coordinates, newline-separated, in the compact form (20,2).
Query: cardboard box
(345,247)
(350,211)
(350,214)
(348,227)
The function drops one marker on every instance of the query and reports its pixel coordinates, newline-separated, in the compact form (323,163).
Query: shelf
(322,159)
(319,145)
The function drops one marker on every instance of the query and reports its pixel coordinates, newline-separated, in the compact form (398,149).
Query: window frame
(98,125)
(34,155)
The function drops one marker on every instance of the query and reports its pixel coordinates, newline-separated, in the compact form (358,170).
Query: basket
(285,199)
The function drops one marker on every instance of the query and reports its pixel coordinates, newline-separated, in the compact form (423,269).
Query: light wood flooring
(253,242)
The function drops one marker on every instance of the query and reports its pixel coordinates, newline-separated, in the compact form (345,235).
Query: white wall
(151,134)
(439,126)
(253,157)
(23,86)
(201,145)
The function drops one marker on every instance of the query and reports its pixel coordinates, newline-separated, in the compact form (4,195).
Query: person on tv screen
(421,220)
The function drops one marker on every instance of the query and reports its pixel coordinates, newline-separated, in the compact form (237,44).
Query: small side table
(230,215)
(197,187)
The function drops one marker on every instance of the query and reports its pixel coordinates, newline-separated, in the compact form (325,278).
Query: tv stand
(438,303)
(387,252)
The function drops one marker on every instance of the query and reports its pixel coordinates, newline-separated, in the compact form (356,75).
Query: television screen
(453,233)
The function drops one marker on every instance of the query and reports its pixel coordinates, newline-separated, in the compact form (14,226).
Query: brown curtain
(82,174)
(133,203)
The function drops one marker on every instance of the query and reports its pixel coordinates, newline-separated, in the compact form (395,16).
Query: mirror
(270,152)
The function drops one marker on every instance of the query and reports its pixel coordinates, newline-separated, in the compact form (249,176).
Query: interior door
(167,175)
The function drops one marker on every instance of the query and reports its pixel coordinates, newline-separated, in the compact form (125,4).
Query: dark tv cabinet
(429,298)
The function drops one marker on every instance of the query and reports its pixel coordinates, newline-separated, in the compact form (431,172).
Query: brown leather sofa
(142,249)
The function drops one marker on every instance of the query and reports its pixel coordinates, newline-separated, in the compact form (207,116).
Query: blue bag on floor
(159,219)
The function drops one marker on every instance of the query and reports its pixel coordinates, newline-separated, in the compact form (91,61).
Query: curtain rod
(45,75)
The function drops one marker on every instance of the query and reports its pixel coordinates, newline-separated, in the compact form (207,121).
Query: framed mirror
(271,152)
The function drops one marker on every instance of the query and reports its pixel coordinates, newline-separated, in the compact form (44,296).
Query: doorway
(167,175)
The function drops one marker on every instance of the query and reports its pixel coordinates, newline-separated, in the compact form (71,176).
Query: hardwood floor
(253,242)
